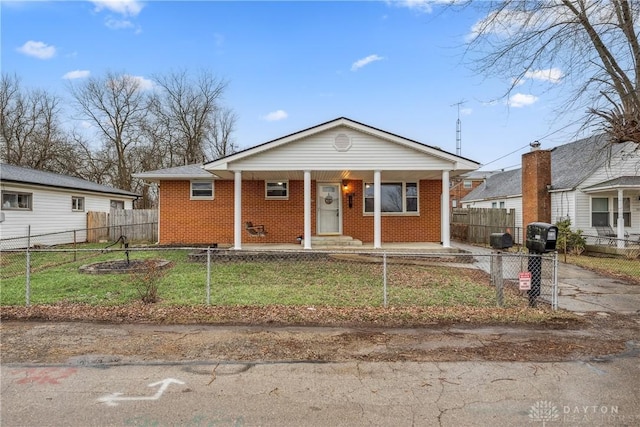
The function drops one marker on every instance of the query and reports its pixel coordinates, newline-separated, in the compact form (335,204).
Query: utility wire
(506,155)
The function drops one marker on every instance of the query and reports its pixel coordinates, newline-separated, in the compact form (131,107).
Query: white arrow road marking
(113,398)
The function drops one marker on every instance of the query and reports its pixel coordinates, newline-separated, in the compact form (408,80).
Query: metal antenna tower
(458,128)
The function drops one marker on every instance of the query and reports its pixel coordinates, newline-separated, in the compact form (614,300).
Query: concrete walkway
(582,290)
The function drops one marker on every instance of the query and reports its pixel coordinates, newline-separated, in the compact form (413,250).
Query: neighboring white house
(48,202)
(587,179)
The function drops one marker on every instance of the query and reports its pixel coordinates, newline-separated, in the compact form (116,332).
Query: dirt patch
(595,336)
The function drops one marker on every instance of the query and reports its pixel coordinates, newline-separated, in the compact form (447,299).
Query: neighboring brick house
(339,178)
(465,184)
(581,181)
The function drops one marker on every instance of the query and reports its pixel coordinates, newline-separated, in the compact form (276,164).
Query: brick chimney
(536,177)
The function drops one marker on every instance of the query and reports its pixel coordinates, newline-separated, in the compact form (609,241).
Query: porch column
(620,218)
(445,232)
(237,210)
(377,217)
(307,209)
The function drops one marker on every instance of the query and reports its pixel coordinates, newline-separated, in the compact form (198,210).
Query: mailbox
(541,237)
(501,240)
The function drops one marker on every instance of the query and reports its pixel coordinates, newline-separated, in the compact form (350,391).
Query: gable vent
(342,142)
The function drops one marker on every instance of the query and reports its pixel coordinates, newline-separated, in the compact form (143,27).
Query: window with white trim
(626,211)
(13,200)
(116,204)
(77,204)
(599,211)
(467,183)
(494,205)
(201,190)
(396,197)
(276,189)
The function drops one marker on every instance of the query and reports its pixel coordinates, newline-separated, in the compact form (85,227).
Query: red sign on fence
(525,280)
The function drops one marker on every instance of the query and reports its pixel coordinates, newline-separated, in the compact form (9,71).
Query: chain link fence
(99,235)
(218,276)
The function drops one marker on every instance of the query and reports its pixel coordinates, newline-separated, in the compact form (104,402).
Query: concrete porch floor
(419,247)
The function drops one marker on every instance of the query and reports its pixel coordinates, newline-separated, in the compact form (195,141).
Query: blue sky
(397,66)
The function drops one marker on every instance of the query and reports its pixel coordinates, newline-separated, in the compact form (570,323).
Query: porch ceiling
(329,176)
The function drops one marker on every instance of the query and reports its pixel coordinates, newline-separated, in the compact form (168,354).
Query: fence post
(209,275)
(28,275)
(384,278)
(554,286)
(75,250)
(498,277)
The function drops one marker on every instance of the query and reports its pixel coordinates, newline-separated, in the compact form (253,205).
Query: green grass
(55,279)
(626,268)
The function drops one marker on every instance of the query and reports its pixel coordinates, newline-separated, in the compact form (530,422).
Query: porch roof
(620,183)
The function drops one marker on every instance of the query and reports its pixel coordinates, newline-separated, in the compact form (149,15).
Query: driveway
(582,290)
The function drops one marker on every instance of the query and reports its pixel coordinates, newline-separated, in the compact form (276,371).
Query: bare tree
(220,137)
(117,106)
(592,44)
(188,119)
(31,131)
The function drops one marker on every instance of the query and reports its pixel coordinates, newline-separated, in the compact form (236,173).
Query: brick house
(341,179)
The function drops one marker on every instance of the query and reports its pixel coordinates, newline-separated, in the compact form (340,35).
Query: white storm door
(328,203)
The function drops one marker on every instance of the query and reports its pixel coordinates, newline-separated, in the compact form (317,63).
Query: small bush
(569,241)
(146,281)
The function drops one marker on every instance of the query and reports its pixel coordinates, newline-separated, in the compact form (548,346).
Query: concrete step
(324,241)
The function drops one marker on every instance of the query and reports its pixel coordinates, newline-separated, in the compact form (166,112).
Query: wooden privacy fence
(475,225)
(135,224)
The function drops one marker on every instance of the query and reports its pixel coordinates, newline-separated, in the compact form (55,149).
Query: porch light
(350,197)
(345,185)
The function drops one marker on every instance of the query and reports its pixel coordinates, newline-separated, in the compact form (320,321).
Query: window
(201,190)
(502,205)
(117,204)
(599,211)
(277,189)
(18,201)
(467,183)
(397,197)
(77,204)
(626,211)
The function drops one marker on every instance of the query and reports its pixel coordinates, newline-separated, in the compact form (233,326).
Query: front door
(328,203)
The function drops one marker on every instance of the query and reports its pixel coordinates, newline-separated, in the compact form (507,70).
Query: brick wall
(536,175)
(185,221)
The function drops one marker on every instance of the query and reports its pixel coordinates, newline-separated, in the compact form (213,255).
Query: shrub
(569,241)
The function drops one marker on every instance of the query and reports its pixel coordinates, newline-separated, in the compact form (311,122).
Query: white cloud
(275,116)
(519,100)
(121,7)
(76,74)
(553,75)
(145,84)
(38,50)
(118,24)
(364,61)
(424,6)
(466,111)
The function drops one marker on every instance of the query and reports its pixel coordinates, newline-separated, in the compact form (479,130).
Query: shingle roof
(571,164)
(12,173)
(194,171)
(622,181)
(499,185)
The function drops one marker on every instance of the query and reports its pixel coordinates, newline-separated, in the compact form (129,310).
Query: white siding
(563,205)
(621,165)
(317,152)
(51,213)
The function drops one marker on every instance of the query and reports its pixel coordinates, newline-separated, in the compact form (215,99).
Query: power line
(506,155)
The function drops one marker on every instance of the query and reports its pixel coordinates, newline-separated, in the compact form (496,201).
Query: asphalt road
(597,392)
